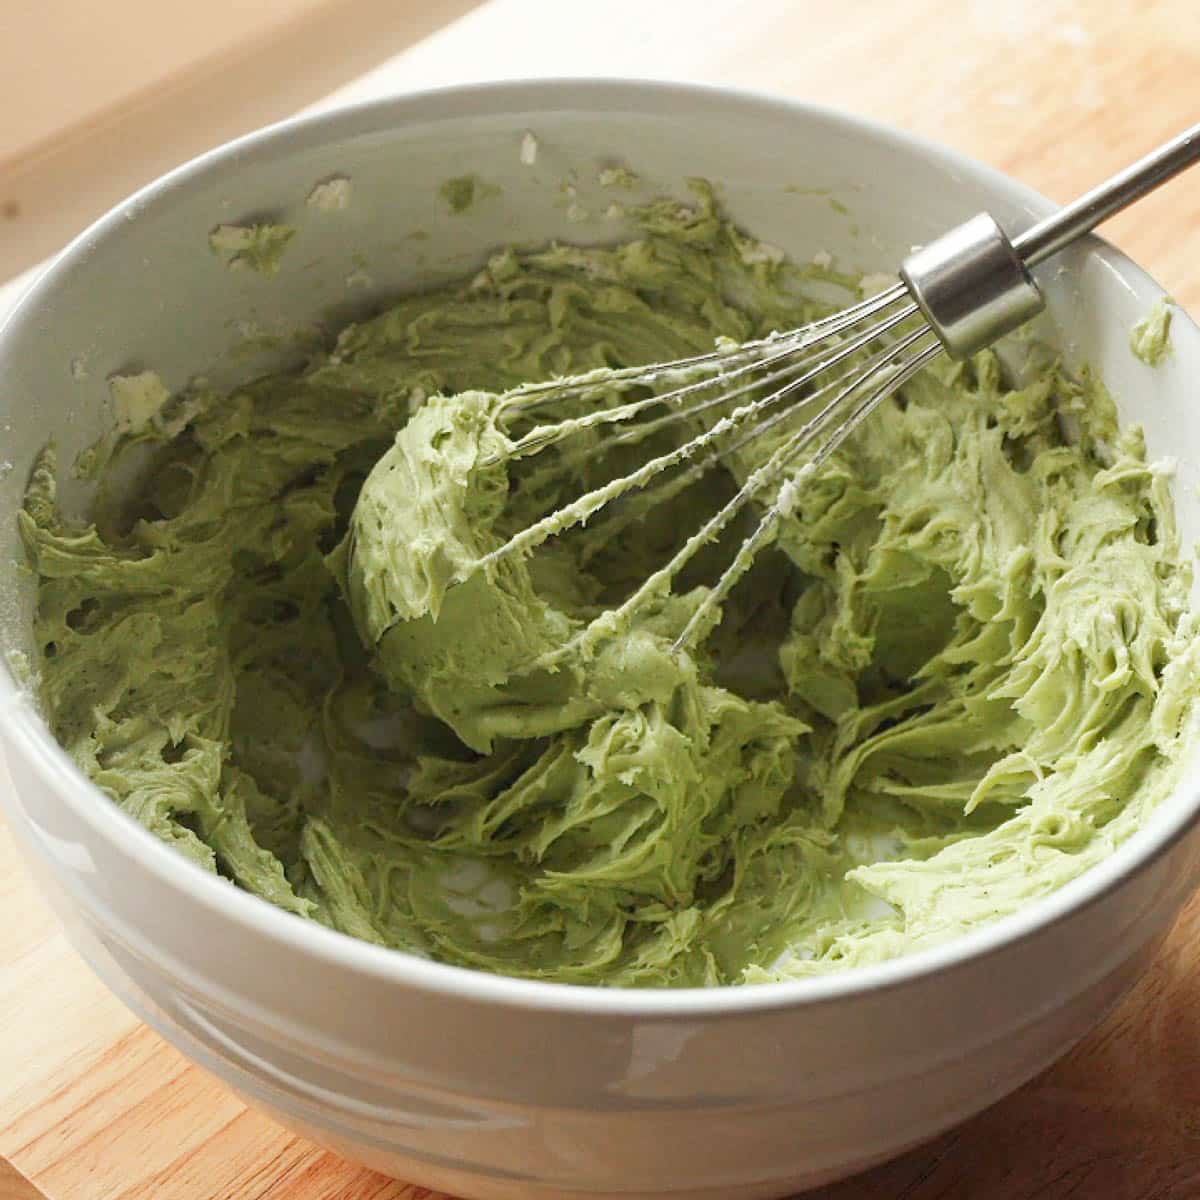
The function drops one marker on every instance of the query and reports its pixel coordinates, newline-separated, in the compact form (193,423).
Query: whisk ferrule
(972,286)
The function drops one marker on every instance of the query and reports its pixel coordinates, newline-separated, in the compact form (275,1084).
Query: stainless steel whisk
(957,295)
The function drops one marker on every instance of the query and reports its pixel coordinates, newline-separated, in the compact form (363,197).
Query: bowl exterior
(497,1103)
(473,1086)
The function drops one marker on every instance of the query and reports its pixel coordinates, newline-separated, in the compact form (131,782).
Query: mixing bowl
(487,1086)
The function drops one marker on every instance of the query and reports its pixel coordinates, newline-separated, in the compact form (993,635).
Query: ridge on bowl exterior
(496,1088)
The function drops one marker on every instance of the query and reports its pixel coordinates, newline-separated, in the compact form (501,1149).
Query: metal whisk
(955,296)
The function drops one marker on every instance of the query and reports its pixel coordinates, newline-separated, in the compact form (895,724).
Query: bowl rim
(25,730)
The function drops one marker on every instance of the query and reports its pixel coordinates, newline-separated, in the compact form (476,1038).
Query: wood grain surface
(93,1106)
(14,1185)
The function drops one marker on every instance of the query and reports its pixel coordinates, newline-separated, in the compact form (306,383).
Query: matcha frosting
(1150,338)
(959,676)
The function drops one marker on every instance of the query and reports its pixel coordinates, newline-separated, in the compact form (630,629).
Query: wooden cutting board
(93,1106)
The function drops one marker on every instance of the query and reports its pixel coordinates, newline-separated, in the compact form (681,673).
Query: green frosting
(617,177)
(257,248)
(959,676)
(464,192)
(1150,338)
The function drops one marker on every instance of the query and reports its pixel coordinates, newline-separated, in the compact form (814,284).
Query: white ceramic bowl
(490,1087)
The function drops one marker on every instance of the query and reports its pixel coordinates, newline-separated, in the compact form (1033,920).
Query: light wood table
(93,1106)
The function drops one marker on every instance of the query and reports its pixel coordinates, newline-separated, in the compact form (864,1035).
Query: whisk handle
(1048,237)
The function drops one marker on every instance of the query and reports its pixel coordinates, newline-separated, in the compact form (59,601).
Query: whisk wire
(580,510)
(661,492)
(891,366)
(785,500)
(532,395)
(888,365)
(807,373)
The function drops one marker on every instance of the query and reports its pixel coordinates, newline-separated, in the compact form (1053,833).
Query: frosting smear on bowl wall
(960,676)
